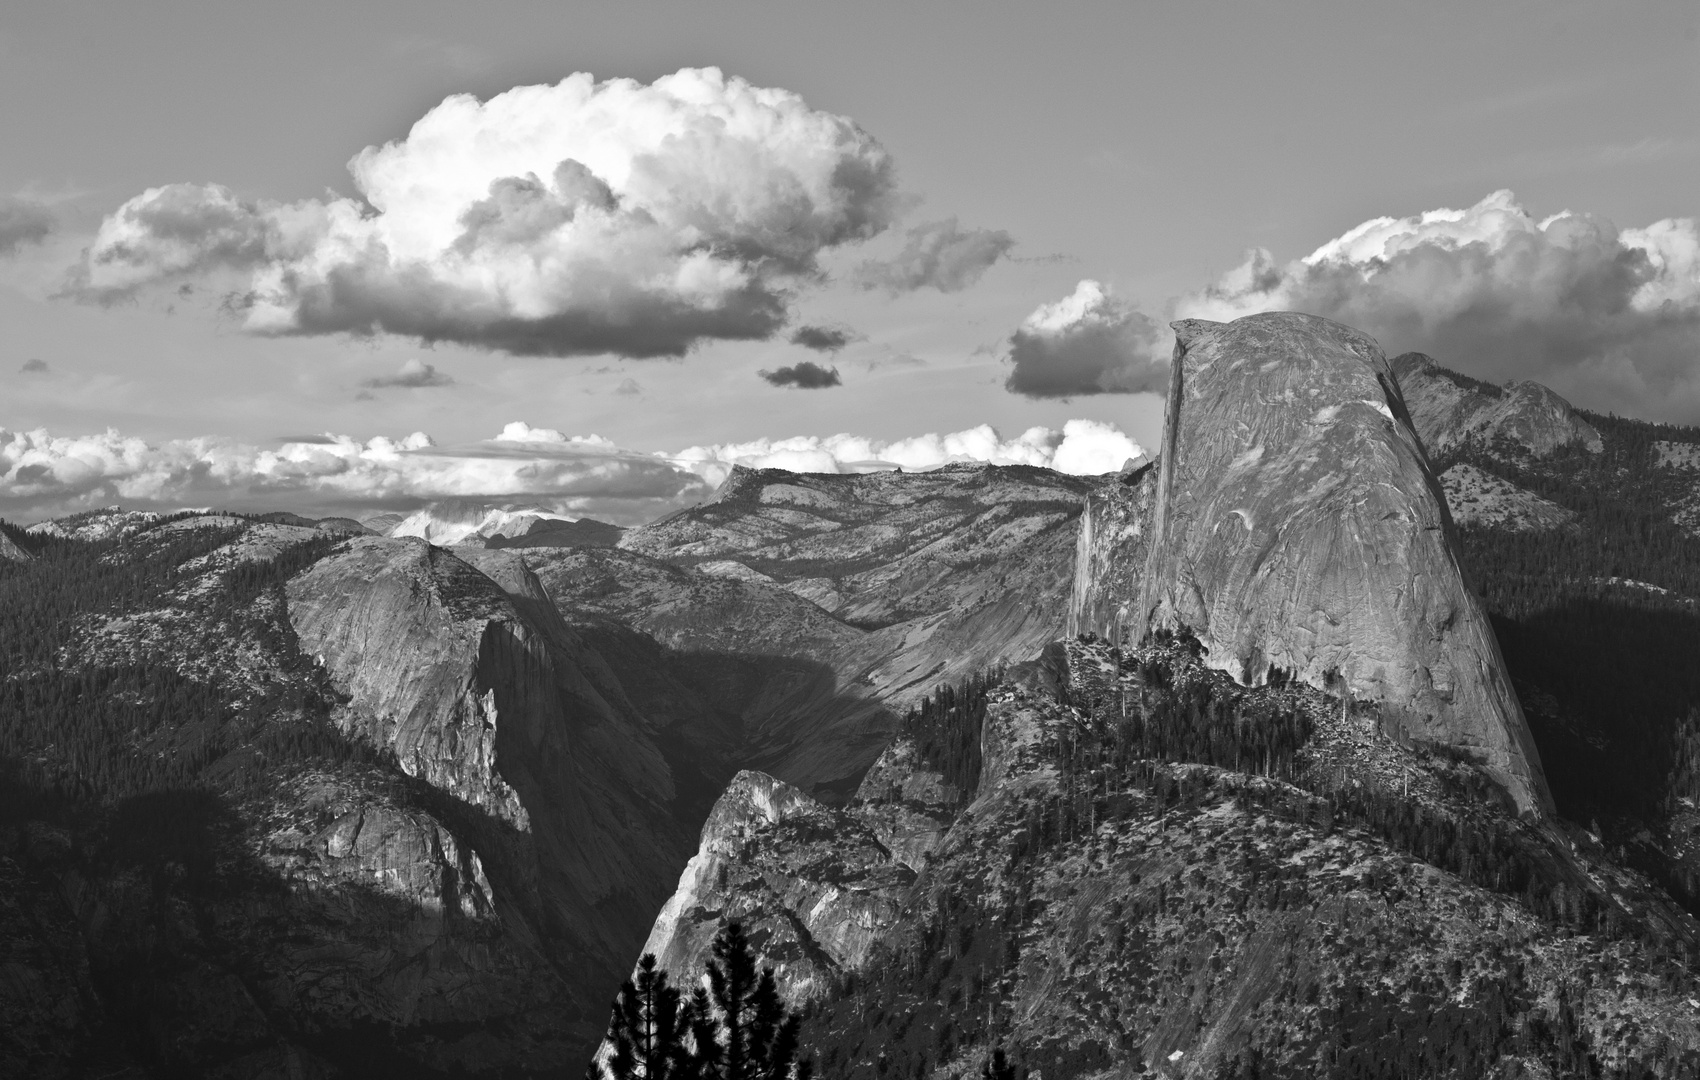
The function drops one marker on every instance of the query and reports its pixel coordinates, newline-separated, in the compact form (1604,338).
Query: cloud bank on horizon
(1607,316)
(43,475)
(580,218)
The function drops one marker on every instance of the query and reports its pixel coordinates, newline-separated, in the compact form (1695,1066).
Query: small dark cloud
(826,339)
(629,388)
(22,222)
(415,374)
(34,367)
(311,440)
(940,255)
(895,359)
(1087,343)
(804,376)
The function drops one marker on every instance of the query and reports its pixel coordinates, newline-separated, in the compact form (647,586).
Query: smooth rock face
(1448,408)
(1297,524)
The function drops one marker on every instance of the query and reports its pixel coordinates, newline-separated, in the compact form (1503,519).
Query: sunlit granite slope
(1447,408)
(1297,525)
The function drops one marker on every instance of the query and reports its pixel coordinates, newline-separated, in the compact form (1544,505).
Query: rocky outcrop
(471,679)
(10,550)
(402,629)
(1109,557)
(107,523)
(908,805)
(1447,409)
(1480,499)
(1297,525)
(813,887)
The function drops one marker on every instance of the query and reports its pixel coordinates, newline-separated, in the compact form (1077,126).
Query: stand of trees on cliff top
(735,1028)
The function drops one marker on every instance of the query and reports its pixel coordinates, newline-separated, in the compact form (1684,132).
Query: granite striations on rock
(1297,525)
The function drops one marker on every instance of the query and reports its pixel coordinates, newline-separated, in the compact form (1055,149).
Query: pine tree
(743,1030)
(648,1028)
(997,1067)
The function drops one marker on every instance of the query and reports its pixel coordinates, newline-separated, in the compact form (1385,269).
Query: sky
(247,253)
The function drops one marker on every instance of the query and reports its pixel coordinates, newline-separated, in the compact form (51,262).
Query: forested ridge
(1159,765)
(1600,627)
(86,731)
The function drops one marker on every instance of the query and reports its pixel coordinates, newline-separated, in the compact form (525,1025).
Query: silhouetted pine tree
(997,1067)
(743,1030)
(649,1028)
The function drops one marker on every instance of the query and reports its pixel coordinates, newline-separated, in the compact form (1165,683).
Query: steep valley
(1356,735)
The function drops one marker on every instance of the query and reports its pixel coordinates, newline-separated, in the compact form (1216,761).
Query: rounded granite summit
(1297,526)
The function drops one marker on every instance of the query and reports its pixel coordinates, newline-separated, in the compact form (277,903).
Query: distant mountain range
(1356,735)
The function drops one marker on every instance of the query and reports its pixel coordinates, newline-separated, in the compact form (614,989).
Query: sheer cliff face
(1109,557)
(1297,524)
(1447,409)
(560,786)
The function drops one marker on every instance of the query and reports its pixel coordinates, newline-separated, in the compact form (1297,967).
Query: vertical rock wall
(1297,524)
(1109,558)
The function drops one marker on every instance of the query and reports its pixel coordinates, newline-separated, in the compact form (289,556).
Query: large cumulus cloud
(577,218)
(1086,343)
(43,475)
(1610,317)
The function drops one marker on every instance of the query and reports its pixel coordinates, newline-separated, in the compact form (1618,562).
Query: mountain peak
(1297,526)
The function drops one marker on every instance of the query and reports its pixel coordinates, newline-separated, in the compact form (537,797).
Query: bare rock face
(813,887)
(106,523)
(1109,557)
(1447,408)
(10,550)
(470,677)
(908,805)
(411,667)
(1297,524)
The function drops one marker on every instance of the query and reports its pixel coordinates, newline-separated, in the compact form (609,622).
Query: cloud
(44,475)
(629,388)
(939,254)
(22,222)
(1082,447)
(414,374)
(827,339)
(805,375)
(1086,343)
(562,220)
(33,367)
(1610,317)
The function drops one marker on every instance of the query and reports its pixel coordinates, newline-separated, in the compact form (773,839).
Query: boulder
(1297,524)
